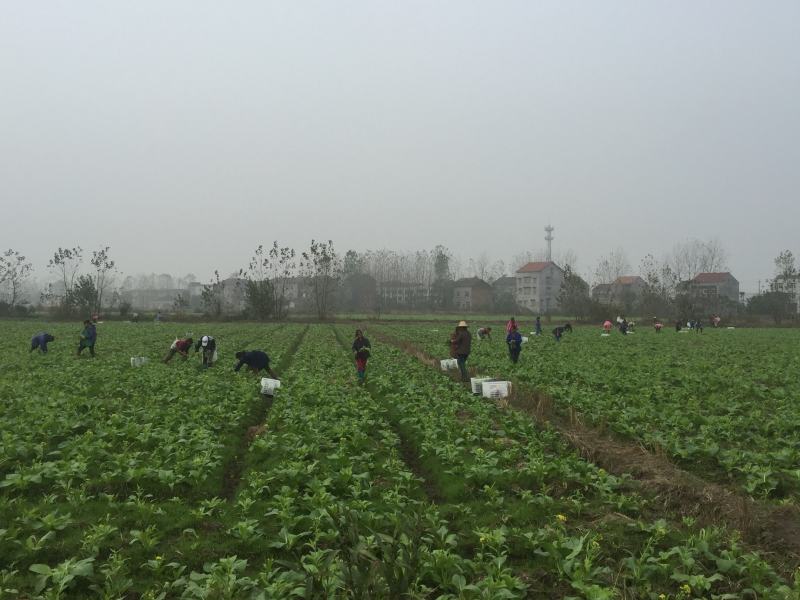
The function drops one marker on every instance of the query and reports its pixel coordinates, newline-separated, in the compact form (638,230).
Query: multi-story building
(713,286)
(402,294)
(624,290)
(789,286)
(472,293)
(538,286)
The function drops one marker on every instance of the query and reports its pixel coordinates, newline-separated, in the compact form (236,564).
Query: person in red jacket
(179,346)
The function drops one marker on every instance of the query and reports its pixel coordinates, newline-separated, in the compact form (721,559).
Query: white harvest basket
(524,339)
(496,389)
(477,384)
(268,386)
(138,361)
(449,364)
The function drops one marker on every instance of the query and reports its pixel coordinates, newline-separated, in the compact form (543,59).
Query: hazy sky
(185,133)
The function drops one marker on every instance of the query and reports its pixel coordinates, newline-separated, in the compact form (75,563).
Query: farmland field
(723,403)
(170,481)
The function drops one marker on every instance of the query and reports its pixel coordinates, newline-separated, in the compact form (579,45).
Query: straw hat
(462,323)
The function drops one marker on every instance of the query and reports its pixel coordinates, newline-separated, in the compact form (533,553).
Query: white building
(538,286)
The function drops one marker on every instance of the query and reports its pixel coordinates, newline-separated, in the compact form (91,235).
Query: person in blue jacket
(40,341)
(88,337)
(255,361)
(514,341)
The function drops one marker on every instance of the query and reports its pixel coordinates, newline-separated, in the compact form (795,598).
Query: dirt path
(772,530)
(252,425)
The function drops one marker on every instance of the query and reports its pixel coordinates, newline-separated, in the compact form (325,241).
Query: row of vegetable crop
(104,466)
(561,521)
(721,403)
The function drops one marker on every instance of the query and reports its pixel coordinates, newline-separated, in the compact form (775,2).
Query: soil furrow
(251,424)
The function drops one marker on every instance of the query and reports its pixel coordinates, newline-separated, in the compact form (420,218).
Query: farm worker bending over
(180,345)
(538,329)
(657,326)
(607,326)
(514,341)
(40,341)
(255,361)
(462,345)
(88,337)
(361,348)
(559,331)
(512,322)
(209,346)
(485,333)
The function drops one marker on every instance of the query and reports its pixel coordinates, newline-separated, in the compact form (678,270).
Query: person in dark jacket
(256,360)
(179,346)
(538,329)
(462,345)
(40,341)
(88,337)
(560,331)
(484,333)
(361,350)
(514,341)
(209,346)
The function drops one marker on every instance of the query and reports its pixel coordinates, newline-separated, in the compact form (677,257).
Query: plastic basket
(524,339)
(495,389)
(448,364)
(138,361)
(268,386)
(477,384)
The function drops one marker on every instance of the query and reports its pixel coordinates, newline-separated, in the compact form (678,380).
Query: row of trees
(79,291)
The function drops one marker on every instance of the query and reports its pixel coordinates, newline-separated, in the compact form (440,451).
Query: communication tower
(549,239)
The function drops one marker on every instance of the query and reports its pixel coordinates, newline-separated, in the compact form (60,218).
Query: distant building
(713,286)
(789,286)
(161,300)
(504,293)
(602,294)
(399,294)
(538,286)
(624,290)
(472,294)
(234,299)
(359,292)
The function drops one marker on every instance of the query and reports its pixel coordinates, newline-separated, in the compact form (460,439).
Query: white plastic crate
(138,361)
(448,364)
(268,386)
(477,384)
(496,389)
(524,339)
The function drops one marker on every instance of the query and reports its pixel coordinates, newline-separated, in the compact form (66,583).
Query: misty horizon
(184,135)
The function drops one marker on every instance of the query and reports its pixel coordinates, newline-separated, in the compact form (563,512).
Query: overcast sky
(185,133)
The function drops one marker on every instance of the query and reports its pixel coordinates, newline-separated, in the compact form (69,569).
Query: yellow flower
(561,518)
(686,589)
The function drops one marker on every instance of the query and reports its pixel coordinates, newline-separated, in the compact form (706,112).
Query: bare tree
(212,296)
(785,267)
(695,256)
(66,262)
(485,268)
(322,267)
(610,267)
(103,266)
(14,271)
